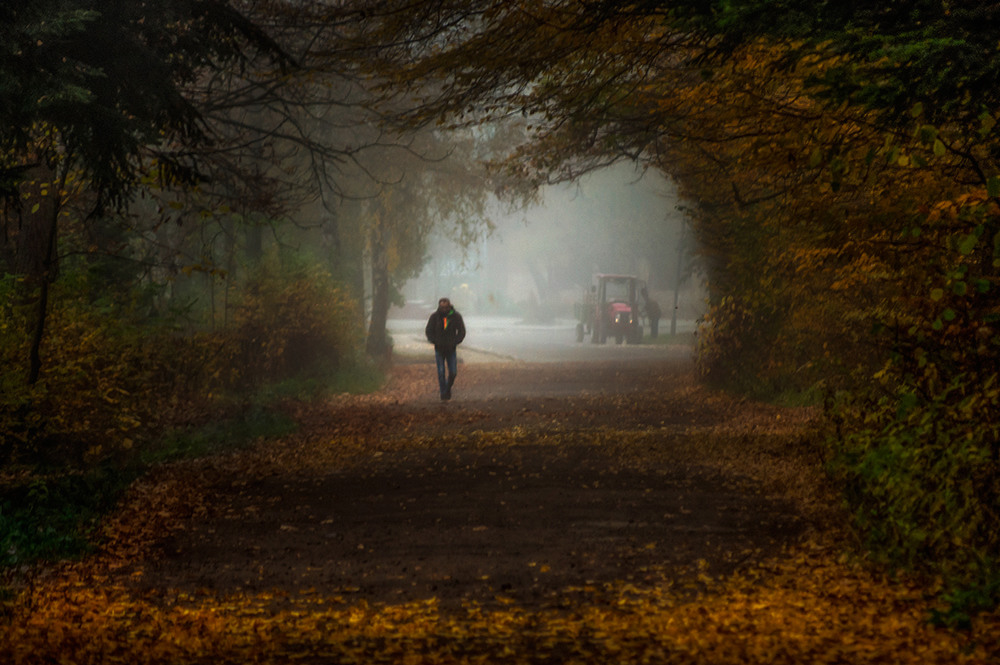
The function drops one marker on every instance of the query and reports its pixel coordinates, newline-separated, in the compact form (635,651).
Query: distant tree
(287,147)
(319,136)
(230,115)
(438,187)
(92,91)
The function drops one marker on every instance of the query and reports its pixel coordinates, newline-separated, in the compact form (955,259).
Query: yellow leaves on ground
(805,608)
(810,605)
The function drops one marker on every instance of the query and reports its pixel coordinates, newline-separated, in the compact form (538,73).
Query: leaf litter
(644,595)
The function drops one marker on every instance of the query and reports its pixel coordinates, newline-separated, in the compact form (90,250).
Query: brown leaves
(809,604)
(807,608)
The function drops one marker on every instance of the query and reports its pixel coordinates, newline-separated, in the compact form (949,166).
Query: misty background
(540,260)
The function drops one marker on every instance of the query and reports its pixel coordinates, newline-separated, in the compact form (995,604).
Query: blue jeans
(447,357)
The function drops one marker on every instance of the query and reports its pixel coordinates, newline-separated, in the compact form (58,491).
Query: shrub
(88,400)
(112,379)
(288,323)
(922,478)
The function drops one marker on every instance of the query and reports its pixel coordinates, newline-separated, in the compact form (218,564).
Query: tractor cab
(611,309)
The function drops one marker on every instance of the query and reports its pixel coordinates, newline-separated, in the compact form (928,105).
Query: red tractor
(611,309)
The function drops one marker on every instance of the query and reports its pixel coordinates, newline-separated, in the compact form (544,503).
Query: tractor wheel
(619,338)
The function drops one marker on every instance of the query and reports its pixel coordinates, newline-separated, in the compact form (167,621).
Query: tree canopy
(840,163)
(840,160)
(106,79)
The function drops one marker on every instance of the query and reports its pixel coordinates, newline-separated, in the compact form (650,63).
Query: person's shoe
(446,396)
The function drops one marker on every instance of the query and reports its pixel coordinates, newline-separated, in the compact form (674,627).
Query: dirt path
(594,513)
(534,481)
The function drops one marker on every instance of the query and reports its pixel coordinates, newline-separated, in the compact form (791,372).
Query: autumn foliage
(839,164)
(287,323)
(842,615)
(844,187)
(858,266)
(114,380)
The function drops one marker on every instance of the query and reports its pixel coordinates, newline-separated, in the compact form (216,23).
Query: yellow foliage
(287,324)
(807,607)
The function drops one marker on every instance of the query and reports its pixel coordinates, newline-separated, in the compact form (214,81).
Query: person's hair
(444,300)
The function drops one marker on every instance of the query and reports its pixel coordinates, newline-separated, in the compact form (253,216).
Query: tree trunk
(377,345)
(255,242)
(544,310)
(48,222)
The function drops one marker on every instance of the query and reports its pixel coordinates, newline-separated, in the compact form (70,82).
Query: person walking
(652,313)
(445,330)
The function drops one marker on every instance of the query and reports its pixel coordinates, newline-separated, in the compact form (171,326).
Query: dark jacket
(653,309)
(445,331)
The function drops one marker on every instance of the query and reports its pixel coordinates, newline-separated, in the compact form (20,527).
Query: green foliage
(729,357)
(918,448)
(922,479)
(50,517)
(941,55)
(218,436)
(878,279)
(98,388)
(361,376)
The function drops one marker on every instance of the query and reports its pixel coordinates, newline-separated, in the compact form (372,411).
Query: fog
(540,260)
